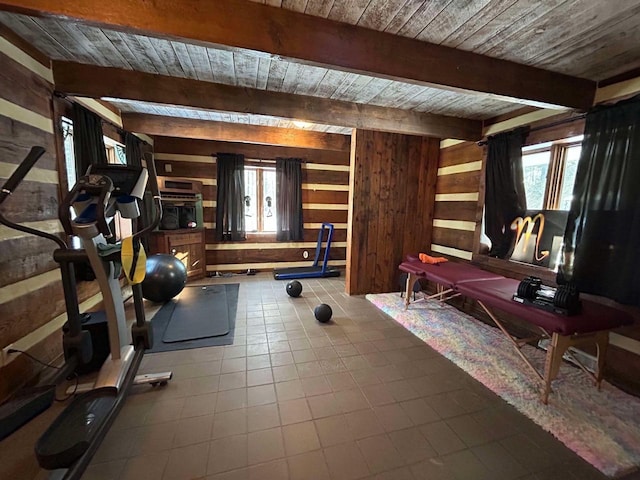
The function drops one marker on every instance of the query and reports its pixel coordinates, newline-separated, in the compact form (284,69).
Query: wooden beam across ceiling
(92,81)
(233,132)
(321,42)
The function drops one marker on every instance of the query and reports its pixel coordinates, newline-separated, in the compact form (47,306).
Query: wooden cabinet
(186,244)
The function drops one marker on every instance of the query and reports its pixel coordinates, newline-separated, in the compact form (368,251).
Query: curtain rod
(104,121)
(264,159)
(548,125)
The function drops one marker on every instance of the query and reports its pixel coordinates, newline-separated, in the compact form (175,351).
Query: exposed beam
(96,82)
(233,132)
(321,42)
(191,146)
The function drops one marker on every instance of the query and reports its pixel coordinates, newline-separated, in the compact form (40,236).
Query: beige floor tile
(150,439)
(265,445)
(285,373)
(147,467)
(294,411)
(231,400)
(345,462)
(379,453)
(96,471)
(199,405)
(402,473)
(308,466)
(231,381)
(261,376)
(258,361)
(341,381)
(419,411)
(333,430)
(279,346)
(263,417)
(234,352)
(226,424)
(257,349)
(192,430)
(187,463)
(276,470)
(351,400)
(261,395)
(378,395)
(289,390)
(364,423)
(309,369)
(303,356)
(365,377)
(315,386)
(165,411)
(412,445)
(228,454)
(281,358)
(300,438)
(232,365)
(299,344)
(324,405)
(392,417)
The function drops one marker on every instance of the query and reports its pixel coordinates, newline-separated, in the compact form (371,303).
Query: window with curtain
(505,197)
(289,199)
(602,236)
(88,139)
(230,220)
(260,206)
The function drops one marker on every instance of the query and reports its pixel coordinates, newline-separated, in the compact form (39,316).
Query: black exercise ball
(294,288)
(323,313)
(165,277)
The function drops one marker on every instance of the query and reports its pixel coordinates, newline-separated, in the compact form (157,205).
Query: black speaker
(170,217)
(187,216)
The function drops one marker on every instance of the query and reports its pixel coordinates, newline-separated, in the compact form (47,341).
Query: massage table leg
(560,344)
(411,279)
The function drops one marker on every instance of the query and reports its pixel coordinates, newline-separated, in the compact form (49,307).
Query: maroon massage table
(491,291)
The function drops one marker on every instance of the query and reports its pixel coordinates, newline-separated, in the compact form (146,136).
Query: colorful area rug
(603,427)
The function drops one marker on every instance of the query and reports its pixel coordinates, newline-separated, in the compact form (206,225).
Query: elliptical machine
(76,342)
(72,439)
(68,445)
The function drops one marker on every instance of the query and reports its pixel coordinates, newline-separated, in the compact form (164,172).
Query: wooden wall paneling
(34,93)
(25,257)
(249,150)
(324,196)
(32,201)
(458,182)
(309,235)
(466,152)
(267,255)
(451,237)
(319,216)
(477,235)
(325,177)
(455,211)
(394,178)
(17,138)
(186,169)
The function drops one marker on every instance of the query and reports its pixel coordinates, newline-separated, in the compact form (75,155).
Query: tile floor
(294,399)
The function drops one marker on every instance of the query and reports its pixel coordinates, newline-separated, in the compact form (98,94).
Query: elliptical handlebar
(23,169)
(155,191)
(12,183)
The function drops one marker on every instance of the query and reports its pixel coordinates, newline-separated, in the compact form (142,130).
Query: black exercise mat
(211,308)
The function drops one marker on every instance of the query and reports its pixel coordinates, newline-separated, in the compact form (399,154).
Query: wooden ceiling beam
(233,132)
(321,42)
(93,81)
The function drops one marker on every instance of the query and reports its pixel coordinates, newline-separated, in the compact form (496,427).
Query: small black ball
(294,288)
(323,313)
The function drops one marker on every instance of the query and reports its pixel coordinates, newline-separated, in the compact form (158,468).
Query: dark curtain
(230,199)
(602,238)
(88,141)
(133,149)
(504,190)
(289,198)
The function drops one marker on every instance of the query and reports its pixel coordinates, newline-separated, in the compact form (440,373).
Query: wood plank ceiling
(581,38)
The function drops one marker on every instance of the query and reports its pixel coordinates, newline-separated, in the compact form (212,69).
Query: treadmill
(316,270)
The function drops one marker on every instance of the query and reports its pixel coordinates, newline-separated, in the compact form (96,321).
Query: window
(260,199)
(115,154)
(549,171)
